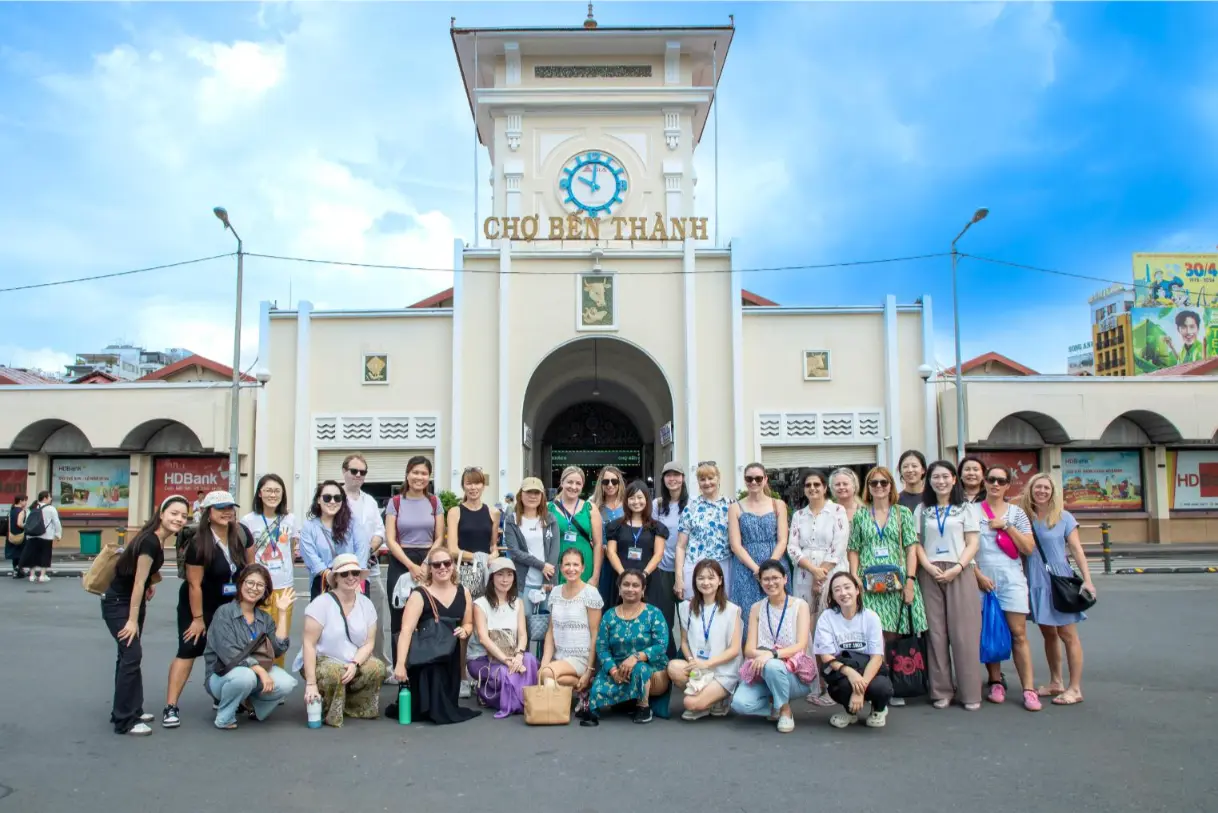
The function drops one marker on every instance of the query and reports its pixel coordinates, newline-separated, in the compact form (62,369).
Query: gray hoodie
(518,549)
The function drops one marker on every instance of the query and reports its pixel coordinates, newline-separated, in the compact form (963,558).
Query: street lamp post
(234,474)
(978,216)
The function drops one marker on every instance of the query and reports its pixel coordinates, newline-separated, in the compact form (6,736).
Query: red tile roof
(191,361)
(753,300)
(18,376)
(434,300)
(749,299)
(95,377)
(1203,367)
(985,358)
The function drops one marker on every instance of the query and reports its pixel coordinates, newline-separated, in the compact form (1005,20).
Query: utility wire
(115,274)
(1124,285)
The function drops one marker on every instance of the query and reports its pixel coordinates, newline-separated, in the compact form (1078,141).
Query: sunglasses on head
(707,463)
(357,472)
(997,481)
(754,479)
(331,498)
(443,563)
(879,483)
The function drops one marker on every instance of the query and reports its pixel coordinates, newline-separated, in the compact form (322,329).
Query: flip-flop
(1063,700)
(1049,691)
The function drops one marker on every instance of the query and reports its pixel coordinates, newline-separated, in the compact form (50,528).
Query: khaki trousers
(953,613)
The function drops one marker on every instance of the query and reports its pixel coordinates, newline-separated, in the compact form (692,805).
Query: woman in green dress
(579,526)
(632,650)
(883,533)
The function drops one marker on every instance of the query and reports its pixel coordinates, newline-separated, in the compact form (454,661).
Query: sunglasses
(997,481)
(879,483)
(349,574)
(814,484)
(357,472)
(442,565)
(610,481)
(755,479)
(331,498)
(707,463)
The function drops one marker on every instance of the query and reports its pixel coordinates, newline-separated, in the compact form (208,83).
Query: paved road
(1141,741)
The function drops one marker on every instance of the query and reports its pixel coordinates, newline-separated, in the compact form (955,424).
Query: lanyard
(251,627)
(636,533)
(942,522)
(565,512)
(706,627)
(272,535)
(879,531)
(770,619)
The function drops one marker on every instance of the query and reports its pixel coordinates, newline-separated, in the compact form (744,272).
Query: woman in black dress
(636,542)
(435,687)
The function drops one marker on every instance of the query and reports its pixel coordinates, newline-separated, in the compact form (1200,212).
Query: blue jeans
(777,688)
(240,684)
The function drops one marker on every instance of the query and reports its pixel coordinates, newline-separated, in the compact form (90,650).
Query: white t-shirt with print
(274,542)
(834,633)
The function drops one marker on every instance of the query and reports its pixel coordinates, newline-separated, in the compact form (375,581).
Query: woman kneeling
(849,643)
(632,648)
(243,642)
(499,632)
(711,645)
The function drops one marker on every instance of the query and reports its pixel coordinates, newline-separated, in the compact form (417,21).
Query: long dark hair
(638,487)
(858,591)
(695,603)
(666,498)
(125,566)
(981,495)
(236,548)
(930,499)
(342,520)
(492,595)
(417,460)
(281,509)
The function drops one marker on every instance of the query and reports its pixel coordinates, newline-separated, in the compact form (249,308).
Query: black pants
(879,691)
(128,679)
(396,570)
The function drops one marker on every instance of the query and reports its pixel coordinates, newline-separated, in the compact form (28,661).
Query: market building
(596,318)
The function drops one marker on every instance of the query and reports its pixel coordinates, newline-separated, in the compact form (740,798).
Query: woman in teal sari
(632,649)
(579,526)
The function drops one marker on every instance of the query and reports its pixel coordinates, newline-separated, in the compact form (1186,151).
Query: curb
(1157,571)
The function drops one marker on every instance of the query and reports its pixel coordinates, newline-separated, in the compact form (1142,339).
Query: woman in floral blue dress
(702,533)
(632,649)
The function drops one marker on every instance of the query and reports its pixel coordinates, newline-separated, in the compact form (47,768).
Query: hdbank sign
(1193,480)
(188,475)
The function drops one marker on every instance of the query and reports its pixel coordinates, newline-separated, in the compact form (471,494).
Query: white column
(454,438)
(674,173)
(262,417)
(742,428)
(513,173)
(892,381)
(505,415)
(691,361)
(672,63)
(304,457)
(511,54)
(930,402)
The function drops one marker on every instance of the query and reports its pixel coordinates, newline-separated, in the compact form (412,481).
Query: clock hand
(591,185)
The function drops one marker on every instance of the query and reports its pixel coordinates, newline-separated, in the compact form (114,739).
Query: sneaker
(169,718)
(466,690)
(721,707)
(643,715)
(786,724)
(897,701)
(33,578)
(44,578)
(140,730)
(998,693)
(877,719)
(691,715)
(1031,701)
(822,700)
(147,718)
(843,719)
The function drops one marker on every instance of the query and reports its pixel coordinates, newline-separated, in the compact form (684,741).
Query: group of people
(30,533)
(736,604)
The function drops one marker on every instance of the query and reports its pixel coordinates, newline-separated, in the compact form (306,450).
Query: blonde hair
(892,485)
(598,493)
(705,469)
(1055,501)
(848,474)
(765,487)
(568,471)
(456,578)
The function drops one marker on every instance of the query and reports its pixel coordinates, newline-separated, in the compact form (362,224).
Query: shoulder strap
(985,506)
(1036,538)
(397,503)
(346,627)
(435,504)
(434,611)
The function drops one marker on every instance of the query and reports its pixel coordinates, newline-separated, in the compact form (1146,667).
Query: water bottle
(314,710)
(404,705)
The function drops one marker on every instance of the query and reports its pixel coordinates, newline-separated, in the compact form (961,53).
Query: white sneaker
(721,708)
(147,718)
(897,701)
(843,719)
(786,724)
(140,730)
(466,690)
(44,578)
(877,718)
(33,577)
(691,715)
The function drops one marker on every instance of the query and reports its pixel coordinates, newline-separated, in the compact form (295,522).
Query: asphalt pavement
(1141,740)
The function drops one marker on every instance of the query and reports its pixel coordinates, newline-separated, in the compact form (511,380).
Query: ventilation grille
(592,72)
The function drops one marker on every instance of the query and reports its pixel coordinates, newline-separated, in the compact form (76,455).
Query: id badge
(635,554)
(570,536)
(941,551)
(230,589)
(881,553)
(703,655)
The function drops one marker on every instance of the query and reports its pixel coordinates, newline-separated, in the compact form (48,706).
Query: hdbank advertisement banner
(188,476)
(91,487)
(1165,337)
(1102,481)
(1192,480)
(1175,280)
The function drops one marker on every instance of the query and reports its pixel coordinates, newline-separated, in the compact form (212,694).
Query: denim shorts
(1010,586)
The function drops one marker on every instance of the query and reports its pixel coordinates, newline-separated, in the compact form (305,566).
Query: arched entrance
(594,402)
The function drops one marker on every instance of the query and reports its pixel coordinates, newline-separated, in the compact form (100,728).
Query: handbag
(547,705)
(505,640)
(98,577)
(1005,543)
(473,576)
(538,623)
(1066,591)
(886,578)
(906,659)
(433,641)
(995,634)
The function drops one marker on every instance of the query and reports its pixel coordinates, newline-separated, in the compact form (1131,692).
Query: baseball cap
(218,499)
(672,465)
(532,484)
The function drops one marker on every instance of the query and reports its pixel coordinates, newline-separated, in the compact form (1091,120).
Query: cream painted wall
(913,402)
(716,426)
(479,376)
(281,399)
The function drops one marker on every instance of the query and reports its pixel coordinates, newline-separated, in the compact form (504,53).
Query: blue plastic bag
(995,634)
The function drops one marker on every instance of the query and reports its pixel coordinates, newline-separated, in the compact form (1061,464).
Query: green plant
(449,500)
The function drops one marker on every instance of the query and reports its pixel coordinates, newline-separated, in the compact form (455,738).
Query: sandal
(972,706)
(1068,698)
(1031,700)
(1049,690)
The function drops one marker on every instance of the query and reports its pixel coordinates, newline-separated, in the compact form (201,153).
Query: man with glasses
(367,514)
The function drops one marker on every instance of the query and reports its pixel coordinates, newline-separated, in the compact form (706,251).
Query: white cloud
(42,358)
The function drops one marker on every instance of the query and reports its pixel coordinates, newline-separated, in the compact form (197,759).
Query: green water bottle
(404,705)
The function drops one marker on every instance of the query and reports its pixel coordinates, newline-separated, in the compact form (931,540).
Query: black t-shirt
(124,574)
(220,572)
(624,535)
(909,500)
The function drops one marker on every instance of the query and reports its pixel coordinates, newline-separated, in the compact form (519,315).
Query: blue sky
(847,131)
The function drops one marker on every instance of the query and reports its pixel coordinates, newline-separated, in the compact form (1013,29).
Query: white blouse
(942,531)
(711,633)
(819,538)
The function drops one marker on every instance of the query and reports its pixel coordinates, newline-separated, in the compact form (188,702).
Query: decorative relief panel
(592,71)
(828,427)
(374,431)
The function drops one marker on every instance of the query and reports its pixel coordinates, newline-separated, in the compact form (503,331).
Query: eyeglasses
(349,574)
(273,492)
(997,481)
(878,483)
(610,481)
(331,498)
(755,479)
(357,472)
(442,565)
(255,585)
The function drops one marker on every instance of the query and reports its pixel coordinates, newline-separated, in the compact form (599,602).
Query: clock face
(593,183)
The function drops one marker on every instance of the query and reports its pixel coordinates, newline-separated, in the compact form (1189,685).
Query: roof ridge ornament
(591,21)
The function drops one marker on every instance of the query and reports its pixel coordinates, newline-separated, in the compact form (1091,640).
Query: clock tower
(591,131)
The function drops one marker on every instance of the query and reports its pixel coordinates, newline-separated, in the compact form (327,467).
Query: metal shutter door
(384,465)
(794,457)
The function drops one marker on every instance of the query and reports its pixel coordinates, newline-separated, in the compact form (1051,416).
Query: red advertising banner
(188,475)
(1023,465)
(13,476)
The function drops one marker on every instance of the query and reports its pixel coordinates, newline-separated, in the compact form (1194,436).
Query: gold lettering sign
(573,227)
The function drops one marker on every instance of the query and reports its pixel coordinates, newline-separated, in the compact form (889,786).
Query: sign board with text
(91,487)
(1192,480)
(1102,480)
(187,476)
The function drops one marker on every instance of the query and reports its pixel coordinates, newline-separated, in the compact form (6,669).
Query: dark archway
(54,436)
(592,435)
(162,436)
(1027,429)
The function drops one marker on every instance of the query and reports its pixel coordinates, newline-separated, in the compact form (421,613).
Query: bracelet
(195,617)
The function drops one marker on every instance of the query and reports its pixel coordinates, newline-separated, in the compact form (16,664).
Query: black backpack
(35,522)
